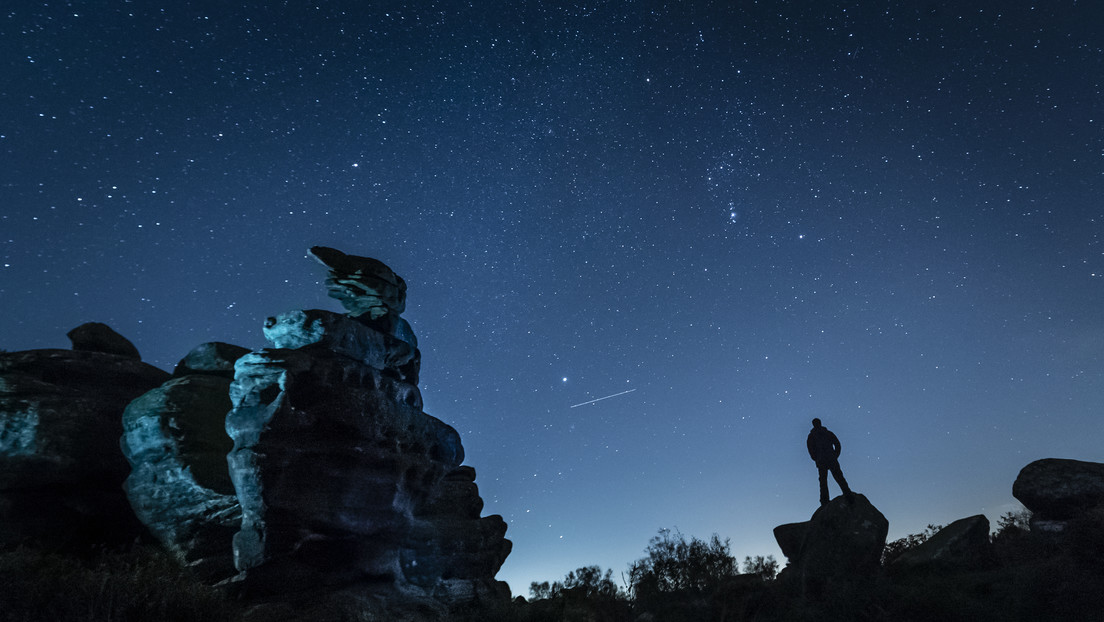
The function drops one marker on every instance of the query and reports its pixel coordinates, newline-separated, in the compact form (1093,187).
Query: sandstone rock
(60,467)
(213,358)
(330,458)
(448,539)
(340,334)
(175,440)
(963,543)
(1058,489)
(843,543)
(97,337)
(364,286)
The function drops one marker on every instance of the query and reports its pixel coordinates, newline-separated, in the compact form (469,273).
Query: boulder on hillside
(61,471)
(175,439)
(842,544)
(97,337)
(1056,489)
(963,543)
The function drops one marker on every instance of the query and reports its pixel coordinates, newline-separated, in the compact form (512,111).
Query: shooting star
(602,398)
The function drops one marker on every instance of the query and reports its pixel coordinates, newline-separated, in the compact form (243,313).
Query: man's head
(816,423)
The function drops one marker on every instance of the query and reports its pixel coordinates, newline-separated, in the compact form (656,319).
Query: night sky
(729,216)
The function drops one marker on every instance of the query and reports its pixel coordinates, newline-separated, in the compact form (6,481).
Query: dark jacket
(824,447)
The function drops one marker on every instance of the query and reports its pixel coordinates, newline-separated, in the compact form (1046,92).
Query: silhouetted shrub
(680,579)
(766,568)
(586,594)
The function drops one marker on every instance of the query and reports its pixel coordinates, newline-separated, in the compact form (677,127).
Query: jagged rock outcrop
(60,420)
(841,543)
(1058,490)
(342,479)
(450,547)
(175,439)
(962,544)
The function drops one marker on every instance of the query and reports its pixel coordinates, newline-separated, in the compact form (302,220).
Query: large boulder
(1058,489)
(61,471)
(962,544)
(97,337)
(175,440)
(842,544)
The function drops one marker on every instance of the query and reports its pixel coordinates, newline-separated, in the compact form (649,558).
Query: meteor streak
(599,399)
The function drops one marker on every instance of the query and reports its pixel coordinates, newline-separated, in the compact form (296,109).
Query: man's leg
(822,471)
(837,473)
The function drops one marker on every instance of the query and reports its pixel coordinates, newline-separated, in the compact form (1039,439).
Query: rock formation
(1058,491)
(962,544)
(60,422)
(175,440)
(341,477)
(841,543)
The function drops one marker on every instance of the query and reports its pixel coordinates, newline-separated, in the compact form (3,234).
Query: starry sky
(725,218)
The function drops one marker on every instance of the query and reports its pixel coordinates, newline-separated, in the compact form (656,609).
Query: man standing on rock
(824,449)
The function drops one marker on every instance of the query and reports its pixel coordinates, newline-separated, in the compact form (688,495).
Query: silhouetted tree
(765,567)
(680,579)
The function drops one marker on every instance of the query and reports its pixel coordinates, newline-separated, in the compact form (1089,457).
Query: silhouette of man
(824,449)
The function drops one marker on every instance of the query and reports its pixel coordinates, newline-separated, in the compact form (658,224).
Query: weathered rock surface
(97,337)
(213,358)
(842,542)
(364,286)
(964,544)
(330,458)
(175,440)
(343,480)
(1056,489)
(60,467)
(448,539)
(394,352)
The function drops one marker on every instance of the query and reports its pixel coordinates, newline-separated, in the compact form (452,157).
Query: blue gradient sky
(885,215)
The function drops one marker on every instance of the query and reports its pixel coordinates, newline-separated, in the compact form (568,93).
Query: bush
(675,565)
(680,579)
(585,594)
